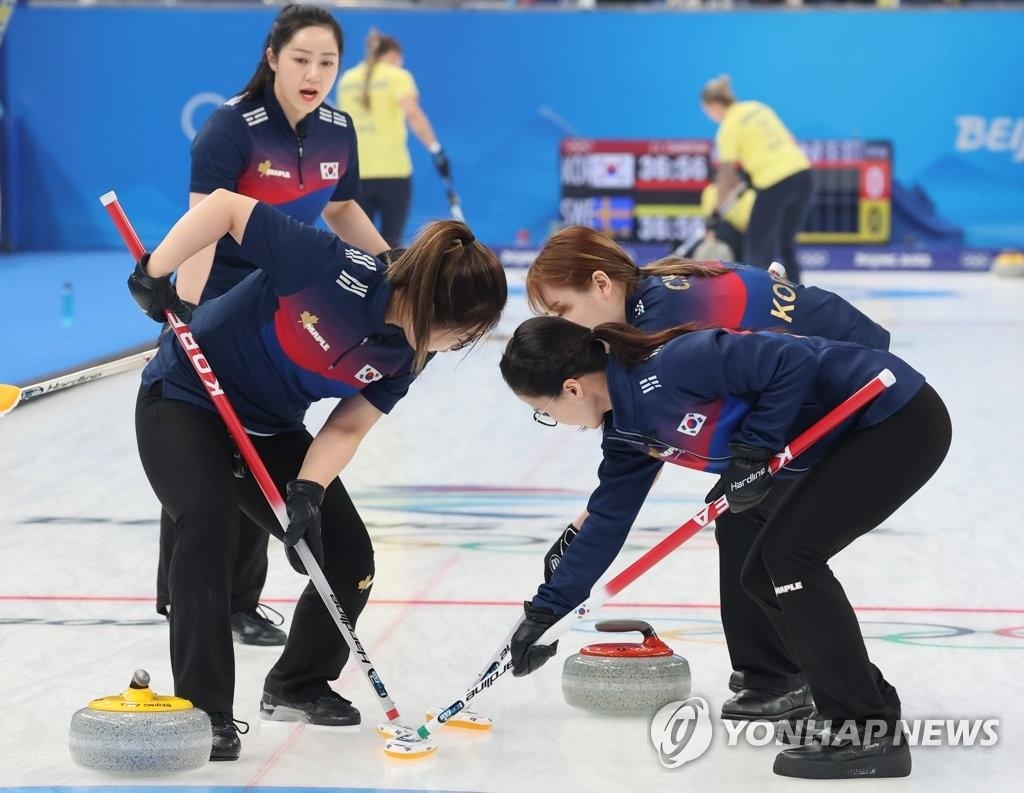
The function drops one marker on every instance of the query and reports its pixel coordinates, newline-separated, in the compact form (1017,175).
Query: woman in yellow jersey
(750,136)
(381,96)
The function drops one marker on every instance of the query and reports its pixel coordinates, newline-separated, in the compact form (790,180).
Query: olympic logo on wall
(188,110)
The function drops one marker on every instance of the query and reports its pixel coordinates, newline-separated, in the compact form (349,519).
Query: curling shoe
(254,626)
(828,757)
(754,704)
(329,709)
(226,745)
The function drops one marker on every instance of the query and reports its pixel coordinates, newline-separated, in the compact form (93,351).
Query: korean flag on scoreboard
(612,171)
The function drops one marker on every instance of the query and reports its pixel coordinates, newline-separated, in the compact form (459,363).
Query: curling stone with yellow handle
(139,732)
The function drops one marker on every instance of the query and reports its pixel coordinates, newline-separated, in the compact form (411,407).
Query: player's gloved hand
(528,657)
(746,481)
(303,504)
(444,167)
(554,555)
(155,295)
(713,220)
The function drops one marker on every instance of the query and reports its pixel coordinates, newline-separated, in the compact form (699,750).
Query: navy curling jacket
(308,325)
(689,400)
(749,298)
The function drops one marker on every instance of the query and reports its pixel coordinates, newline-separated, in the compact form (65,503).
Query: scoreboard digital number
(649,190)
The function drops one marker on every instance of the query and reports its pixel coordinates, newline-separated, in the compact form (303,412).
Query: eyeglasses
(467,342)
(543,418)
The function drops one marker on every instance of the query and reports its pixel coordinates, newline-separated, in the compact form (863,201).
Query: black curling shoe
(253,626)
(329,709)
(800,730)
(754,704)
(828,758)
(226,745)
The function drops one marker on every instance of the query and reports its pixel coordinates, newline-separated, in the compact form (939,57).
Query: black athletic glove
(444,168)
(528,657)
(554,556)
(746,481)
(155,295)
(303,503)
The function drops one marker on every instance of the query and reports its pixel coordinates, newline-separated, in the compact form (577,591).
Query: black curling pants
(390,198)
(862,481)
(187,455)
(760,655)
(250,569)
(777,216)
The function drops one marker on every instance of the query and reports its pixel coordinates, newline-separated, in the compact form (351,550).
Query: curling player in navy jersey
(724,402)
(319,319)
(585,276)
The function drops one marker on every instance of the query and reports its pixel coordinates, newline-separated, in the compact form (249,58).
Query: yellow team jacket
(381,130)
(753,136)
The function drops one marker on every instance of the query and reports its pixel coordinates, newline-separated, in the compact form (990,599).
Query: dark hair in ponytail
(575,253)
(293,18)
(447,278)
(377,44)
(544,352)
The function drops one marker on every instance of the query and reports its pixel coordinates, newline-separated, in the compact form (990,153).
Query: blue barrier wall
(100,98)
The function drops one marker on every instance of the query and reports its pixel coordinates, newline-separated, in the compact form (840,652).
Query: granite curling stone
(621,678)
(1009,264)
(139,732)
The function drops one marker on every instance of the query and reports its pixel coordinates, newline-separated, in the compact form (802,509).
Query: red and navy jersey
(694,396)
(749,298)
(248,147)
(308,325)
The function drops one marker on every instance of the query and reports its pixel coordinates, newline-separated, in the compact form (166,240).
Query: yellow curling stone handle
(139,698)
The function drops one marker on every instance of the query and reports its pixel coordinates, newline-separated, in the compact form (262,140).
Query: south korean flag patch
(368,375)
(691,424)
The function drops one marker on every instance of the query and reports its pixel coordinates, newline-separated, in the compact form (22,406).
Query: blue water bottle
(67,304)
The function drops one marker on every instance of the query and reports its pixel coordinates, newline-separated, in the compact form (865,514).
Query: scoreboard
(649,190)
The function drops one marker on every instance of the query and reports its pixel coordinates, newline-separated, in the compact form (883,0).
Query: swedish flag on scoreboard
(614,214)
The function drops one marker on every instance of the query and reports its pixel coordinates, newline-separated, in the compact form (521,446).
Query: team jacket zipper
(640,440)
(346,352)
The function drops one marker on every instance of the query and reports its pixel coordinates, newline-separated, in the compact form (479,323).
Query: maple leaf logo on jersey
(308,321)
(365,584)
(266,168)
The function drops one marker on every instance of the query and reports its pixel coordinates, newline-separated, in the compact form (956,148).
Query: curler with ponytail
(718,90)
(445,278)
(544,352)
(571,257)
(377,45)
